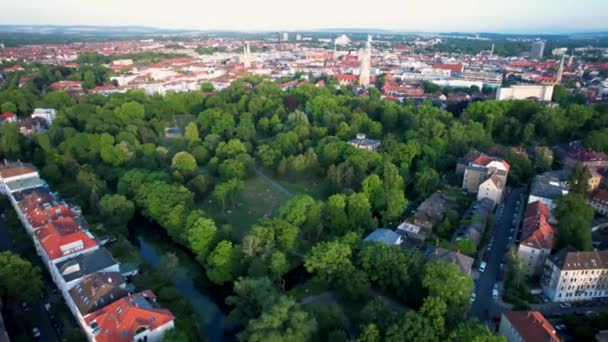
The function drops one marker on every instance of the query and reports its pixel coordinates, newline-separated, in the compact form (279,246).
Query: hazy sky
(411,15)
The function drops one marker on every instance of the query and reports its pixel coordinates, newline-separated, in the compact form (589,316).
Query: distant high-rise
(560,71)
(366,64)
(246,56)
(285,36)
(492,51)
(538,50)
(298,37)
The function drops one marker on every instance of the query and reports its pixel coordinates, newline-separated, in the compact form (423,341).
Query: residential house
(536,238)
(464,262)
(7,118)
(547,188)
(69,273)
(487,177)
(432,211)
(31,126)
(575,276)
(136,317)
(384,235)
(598,200)
(47,114)
(18,176)
(62,239)
(94,293)
(526,326)
(413,234)
(595,180)
(574,153)
(363,143)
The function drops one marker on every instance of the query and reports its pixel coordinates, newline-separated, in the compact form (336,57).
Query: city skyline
(519,16)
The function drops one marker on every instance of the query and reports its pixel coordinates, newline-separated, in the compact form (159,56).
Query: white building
(576,276)
(48,114)
(18,176)
(365,144)
(536,238)
(343,40)
(522,92)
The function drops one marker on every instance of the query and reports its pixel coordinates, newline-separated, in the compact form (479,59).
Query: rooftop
(85,264)
(64,237)
(383,235)
(98,290)
(567,259)
(536,231)
(532,326)
(14,169)
(127,317)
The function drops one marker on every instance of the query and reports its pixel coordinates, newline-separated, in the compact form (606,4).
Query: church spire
(366,63)
(560,71)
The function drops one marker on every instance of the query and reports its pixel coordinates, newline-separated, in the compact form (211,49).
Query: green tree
(19,279)
(88,80)
(284,321)
(335,214)
(360,212)
(426,181)
(201,233)
(579,180)
(227,192)
(369,333)
(117,210)
(221,263)
(191,133)
(473,331)
(250,298)
(130,111)
(8,106)
(328,260)
(574,216)
(184,162)
(11,141)
(446,282)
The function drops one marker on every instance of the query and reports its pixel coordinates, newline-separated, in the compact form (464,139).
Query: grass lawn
(259,199)
(313,188)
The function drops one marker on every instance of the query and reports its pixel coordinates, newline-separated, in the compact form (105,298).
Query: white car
(482,266)
(495,293)
(473,296)
(36,332)
(565,305)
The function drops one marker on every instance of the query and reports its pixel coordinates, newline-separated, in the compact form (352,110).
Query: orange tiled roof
(536,231)
(55,235)
(532,326)
(121,320)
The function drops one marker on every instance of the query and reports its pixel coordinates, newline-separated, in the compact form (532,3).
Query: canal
(153,245)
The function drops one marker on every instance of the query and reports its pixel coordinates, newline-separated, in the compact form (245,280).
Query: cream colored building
(576,276)
(522,92)
(536,238)
(487,177)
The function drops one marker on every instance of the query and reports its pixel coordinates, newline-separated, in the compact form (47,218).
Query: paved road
(38,315)
(485,307)
(274,183)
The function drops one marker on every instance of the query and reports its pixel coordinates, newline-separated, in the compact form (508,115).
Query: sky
(516,16)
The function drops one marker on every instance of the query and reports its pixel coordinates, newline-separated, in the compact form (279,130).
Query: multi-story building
(547,188)
(574,276)
(69,273)
(538,50)
(526,326)
(62,239)
(523,92)
(536,238)
(18,176)
(363,143)
(487,177)
(48,114)
(598,200)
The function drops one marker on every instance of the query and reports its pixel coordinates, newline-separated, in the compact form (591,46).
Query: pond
(189,278)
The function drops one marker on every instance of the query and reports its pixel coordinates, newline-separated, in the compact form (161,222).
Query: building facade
(536,238)
(526,326)
(576,276)
(523,92)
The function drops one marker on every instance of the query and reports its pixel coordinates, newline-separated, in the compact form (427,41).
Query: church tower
(366,64)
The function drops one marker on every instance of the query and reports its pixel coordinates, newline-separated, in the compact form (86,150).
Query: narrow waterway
(188,278)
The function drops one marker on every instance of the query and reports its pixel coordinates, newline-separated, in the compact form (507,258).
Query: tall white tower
(366,63)
(246,56)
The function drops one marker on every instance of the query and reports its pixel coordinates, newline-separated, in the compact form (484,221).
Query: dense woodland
(110,155)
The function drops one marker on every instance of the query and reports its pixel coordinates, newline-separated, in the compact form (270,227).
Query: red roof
(7,116)
(9,172)
(39,216)
(485,160)
(347,77)
(532,326)
(536,231)
(123,319)
(451,67)
(64,237)
(522,64)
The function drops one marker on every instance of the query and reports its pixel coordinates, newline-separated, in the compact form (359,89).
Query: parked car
(473,296)
(495,293)
(590,313)
(565,305)
(560,327)
(482,266)
(25,306)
